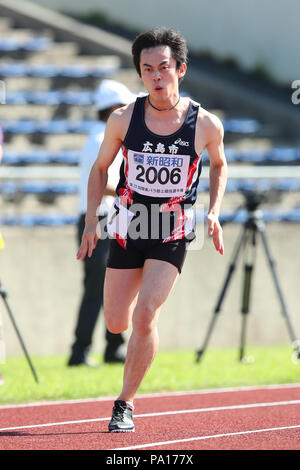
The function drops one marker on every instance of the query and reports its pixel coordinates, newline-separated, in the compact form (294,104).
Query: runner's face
(159,73)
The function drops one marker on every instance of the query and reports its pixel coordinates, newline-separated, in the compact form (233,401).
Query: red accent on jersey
(126,193)
(191,173)
(178,231)
(121,241)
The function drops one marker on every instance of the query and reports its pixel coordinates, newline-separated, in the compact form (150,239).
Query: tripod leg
(279,292)
(249,265)
(230,272)
(4,295)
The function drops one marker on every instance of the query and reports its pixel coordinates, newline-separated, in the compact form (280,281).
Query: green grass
(171,371)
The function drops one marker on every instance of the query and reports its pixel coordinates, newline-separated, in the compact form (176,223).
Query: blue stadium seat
(273,155)
(38,44)
(76,71)
(23,69)
(236,185)
(51,97)
(11,157)
(42,70)
(70,187)
(36,187)
(29,220)
(241,125)
(276,156)
(25,126)
(284,154)
(8,44)
(236,155)
(53,126)
(16,97)
(78,98)
(57,188)
(13,69)
(275,215)
(16,158)
(41,97)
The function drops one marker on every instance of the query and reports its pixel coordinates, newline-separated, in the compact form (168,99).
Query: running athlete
(162,136)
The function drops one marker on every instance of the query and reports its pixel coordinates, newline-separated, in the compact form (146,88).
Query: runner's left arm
(218,180)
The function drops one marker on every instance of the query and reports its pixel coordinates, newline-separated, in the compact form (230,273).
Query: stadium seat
(8,44)
(239,185)
(242,126)
(233,185)
(23,69)
(53,126)
(39,219)
(37,187)
(272,156)
(25,126)
(275,215)
(51,97)
(239,217)
(40,156)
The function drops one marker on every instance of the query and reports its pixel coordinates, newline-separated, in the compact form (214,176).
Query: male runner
(162,136)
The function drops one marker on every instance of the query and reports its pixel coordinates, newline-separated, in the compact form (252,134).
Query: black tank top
(159,168)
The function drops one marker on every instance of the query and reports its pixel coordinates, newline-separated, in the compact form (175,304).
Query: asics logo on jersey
(182,142)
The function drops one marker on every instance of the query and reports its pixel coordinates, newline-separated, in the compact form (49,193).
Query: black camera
(253,199)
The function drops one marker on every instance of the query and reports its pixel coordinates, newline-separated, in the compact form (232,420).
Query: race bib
(158,175)
(118,219)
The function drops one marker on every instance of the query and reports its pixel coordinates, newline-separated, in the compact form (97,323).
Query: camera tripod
(253,225)
(3,294)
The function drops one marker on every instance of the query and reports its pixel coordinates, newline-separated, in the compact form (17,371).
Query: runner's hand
(89,239)
(216,232)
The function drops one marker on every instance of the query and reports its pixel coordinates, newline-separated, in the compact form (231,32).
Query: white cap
(111,93)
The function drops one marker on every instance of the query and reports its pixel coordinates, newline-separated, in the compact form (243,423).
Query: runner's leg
(158,280)
(121,287)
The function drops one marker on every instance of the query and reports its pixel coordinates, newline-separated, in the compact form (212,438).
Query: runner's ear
(182,70)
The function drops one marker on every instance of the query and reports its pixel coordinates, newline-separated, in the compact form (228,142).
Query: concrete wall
(42,277)
(256,32)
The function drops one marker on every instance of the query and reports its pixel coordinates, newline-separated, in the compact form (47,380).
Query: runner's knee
(143,320)
(116,323)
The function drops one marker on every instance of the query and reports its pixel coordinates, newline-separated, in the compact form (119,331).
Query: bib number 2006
(163,175)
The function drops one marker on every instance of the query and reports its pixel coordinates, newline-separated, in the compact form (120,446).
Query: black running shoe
(121,420)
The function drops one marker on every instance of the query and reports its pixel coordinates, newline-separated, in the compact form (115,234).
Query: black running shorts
(137,251)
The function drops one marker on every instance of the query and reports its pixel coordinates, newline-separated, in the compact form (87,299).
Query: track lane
(282,440)
(222,413)
(98,408)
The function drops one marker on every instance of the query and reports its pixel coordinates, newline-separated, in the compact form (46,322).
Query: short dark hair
(160,37)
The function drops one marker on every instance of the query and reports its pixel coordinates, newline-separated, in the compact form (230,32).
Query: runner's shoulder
(209,122)
(120,118)
(122,114)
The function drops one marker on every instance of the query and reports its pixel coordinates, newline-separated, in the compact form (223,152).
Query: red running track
(253,418)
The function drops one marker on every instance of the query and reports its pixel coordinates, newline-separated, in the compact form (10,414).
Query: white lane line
(214,436)
(158,395)
(161,413)
(61,423)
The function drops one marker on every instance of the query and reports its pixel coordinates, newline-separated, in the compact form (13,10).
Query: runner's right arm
(98,181)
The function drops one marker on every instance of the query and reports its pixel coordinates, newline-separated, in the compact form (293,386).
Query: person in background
(109,96)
